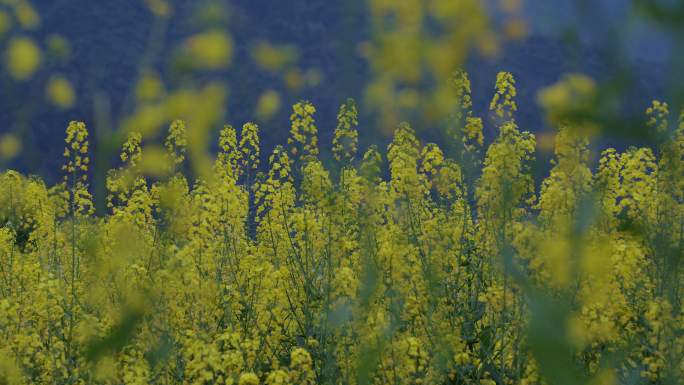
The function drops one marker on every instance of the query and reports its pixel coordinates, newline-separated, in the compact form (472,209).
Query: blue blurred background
(605,39)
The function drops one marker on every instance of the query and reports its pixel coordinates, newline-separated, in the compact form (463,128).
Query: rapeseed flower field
(174,249)
(404,265)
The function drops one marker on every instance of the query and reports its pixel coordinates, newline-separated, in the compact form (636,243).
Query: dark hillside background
(108,39)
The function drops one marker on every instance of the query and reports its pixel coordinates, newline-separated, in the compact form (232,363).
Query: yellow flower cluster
(303,132)
(571,99)
(74,188)
(503,103)
(346,136)
(419,271)
(177,142)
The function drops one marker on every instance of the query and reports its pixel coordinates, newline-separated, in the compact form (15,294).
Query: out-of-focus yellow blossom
(210,50)
(294,79)
(405,53)
(58,47)
(23,57)
(155,163)
(149,88)
(27,16)
(313,77)
(10,146)
(159,8)
(267,105)
(570,101)
(273,58)
(515,29)
(570,178)
(60,92)
(10,373)
(5,22)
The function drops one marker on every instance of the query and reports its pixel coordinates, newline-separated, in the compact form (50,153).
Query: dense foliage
(442,268)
